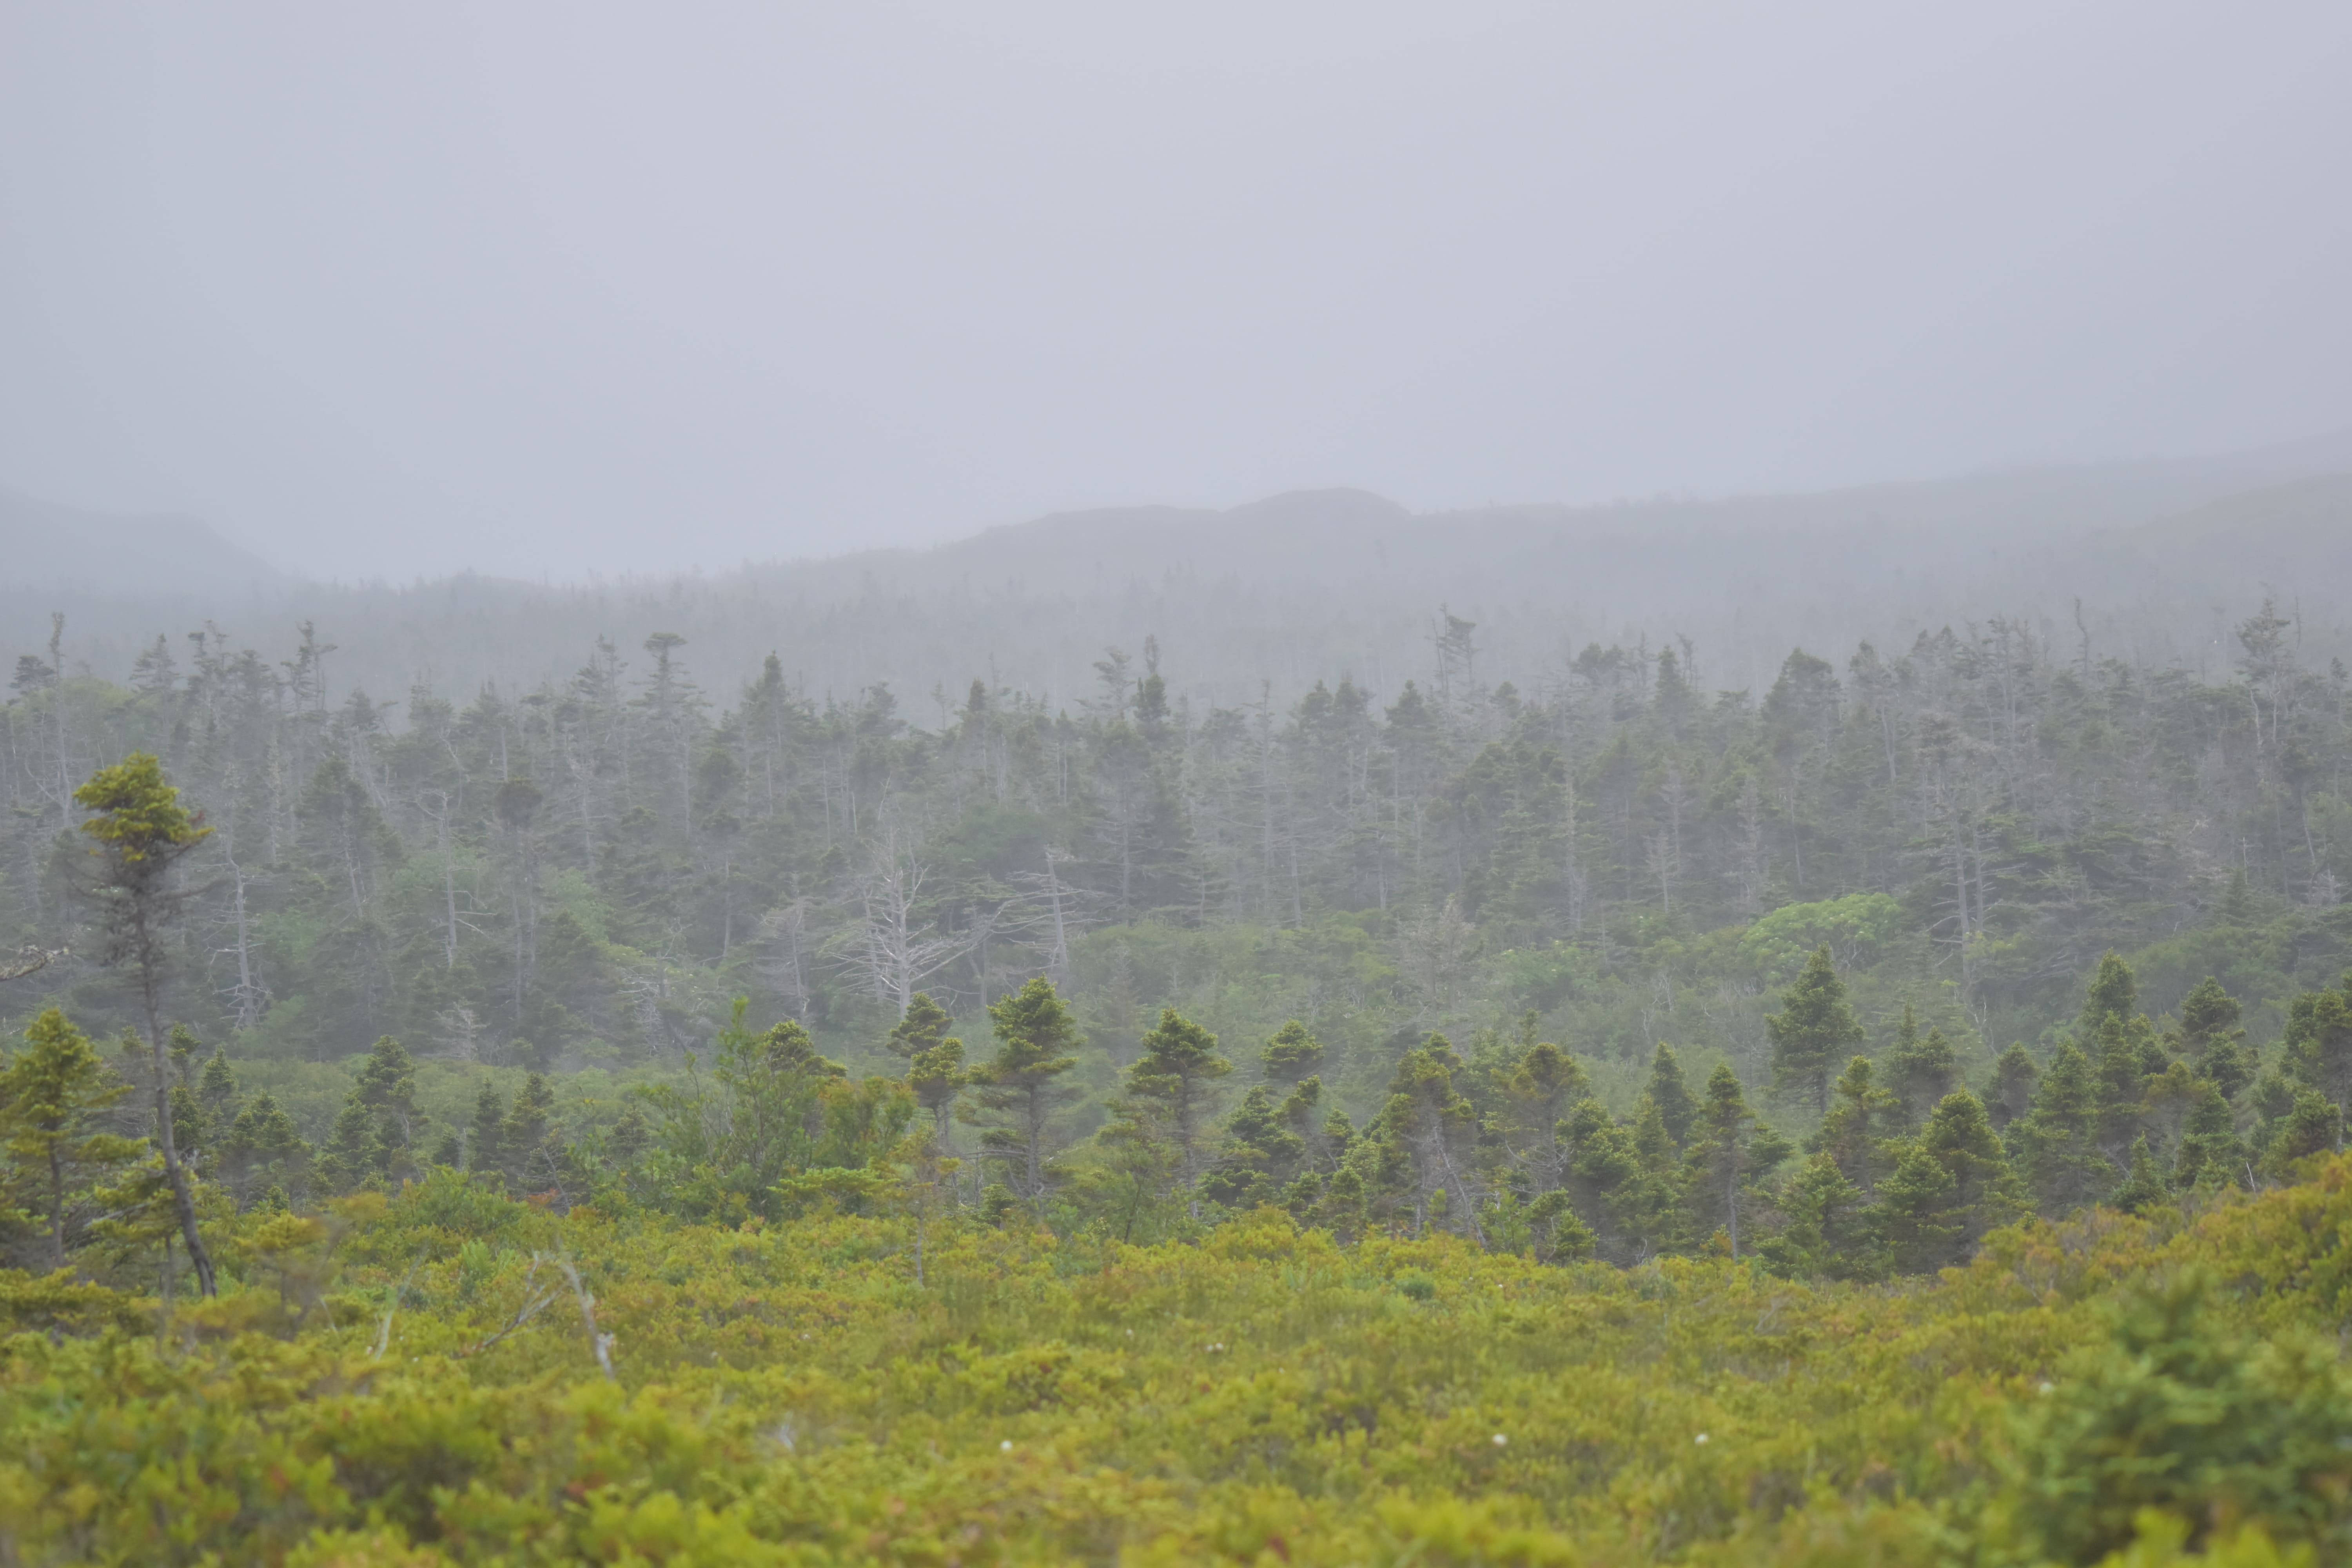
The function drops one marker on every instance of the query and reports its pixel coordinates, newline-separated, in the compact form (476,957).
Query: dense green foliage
(450,1375)
(586,874)
(1323,1054)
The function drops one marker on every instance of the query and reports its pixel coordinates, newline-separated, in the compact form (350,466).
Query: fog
(554,291)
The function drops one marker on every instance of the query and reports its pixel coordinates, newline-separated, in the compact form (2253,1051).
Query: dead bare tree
(897,944)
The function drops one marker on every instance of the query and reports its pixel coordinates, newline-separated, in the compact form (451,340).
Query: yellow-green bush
(789,1395)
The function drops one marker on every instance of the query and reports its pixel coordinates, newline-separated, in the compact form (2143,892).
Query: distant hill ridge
(46,544)
(1295,587)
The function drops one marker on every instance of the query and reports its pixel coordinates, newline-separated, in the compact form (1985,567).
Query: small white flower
(2048,1389)
(1006,1444)
(1701,1439)
(1501,1441)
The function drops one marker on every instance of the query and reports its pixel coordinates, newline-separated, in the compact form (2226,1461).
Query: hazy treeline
(586,870)
(581,877)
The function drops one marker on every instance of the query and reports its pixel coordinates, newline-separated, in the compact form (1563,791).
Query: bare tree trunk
(184,1201)
(248,995)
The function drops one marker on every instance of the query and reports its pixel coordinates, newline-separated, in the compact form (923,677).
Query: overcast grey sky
(553,289)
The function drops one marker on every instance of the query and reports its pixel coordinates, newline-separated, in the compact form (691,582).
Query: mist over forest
(1520,763)
(2162,557)
(1482,787)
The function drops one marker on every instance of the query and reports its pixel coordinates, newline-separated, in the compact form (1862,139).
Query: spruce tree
(263,1150)
(1813,1031)
(1827,1231)
(1920,1071)
(1020,1088)
(1423,1144)
(528,1136)
(1986,1192)
(1292,1054)
(1670,1094)
(54,1099)
(1917,1213)
(1606,1179)
(488,1155)
(1861,1130)
(2209,1016)
(2055,1144)
(142,833)
(2316,1046)
(2144,1186)
(937,1077)
(2011,1096)
(1731,1148)
(2114,989)
(925,1025)
(1170,1089)
(1535,1098)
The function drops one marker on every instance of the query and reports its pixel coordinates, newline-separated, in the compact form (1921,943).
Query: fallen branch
(384,1334)
(600,1342)
(532,1308)
(31,958)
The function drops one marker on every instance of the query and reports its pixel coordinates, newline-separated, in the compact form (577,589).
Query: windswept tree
(140,833)
(1171,1091)
(1021,1087)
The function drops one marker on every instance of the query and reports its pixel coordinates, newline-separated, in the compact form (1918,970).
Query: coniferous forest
(1893,1116)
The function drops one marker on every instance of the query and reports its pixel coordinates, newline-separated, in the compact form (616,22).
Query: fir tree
(2210,1154)
(2144,1186)
(216,1091)
(1985,1193)
(142,833)
(1170,1089)
(2209,1016)
(2316,1046)
(1670,1094)
(1861,1130)
(925,1025)
(2055,1144)
(1422,1146)
(1917,1213)
(1536,1098)
(1731,1148)
(1259,1152)
(1292,1054)
(263,1150)
(2121,1068)
(527,1137)
(54,1099)
(937,1077)
(1608,1182)
(2011,1096)
(1814,1029)
(1920,1071)
(1827,1230)
(489,1153)
(1021,1089)
(2114,989)
(2313,1126)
